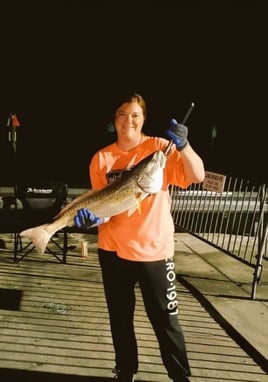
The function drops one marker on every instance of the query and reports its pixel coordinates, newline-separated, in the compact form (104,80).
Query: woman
(139,248)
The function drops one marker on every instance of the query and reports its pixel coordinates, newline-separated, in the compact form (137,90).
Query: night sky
(64,65)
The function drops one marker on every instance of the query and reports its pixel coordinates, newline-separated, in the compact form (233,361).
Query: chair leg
(65,245)
(17,245)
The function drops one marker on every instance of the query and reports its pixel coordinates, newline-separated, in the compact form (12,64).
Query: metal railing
(234,220)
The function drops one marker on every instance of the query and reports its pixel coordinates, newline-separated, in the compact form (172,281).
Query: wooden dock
(54,325)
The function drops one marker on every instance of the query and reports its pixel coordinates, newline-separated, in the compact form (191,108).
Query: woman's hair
(134,97)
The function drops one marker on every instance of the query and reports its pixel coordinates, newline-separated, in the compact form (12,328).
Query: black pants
(157,284)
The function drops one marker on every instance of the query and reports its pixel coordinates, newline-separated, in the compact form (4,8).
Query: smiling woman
(134,247)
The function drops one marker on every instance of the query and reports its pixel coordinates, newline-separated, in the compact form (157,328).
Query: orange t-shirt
(146,235)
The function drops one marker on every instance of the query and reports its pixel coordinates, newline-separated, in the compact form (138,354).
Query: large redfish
(124,194)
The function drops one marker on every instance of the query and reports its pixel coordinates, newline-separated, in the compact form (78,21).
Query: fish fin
(139,199)
(38,236)
(131,211)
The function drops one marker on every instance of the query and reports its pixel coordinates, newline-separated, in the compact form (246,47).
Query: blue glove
(86,219)
(178,133)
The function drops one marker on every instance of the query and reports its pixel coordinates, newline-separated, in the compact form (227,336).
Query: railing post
(262,238)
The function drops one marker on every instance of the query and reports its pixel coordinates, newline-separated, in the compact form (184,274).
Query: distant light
(110,127)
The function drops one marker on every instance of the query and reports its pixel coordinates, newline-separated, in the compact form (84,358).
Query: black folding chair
(40,204)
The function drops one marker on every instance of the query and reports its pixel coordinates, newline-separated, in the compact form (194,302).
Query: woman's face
(129,120)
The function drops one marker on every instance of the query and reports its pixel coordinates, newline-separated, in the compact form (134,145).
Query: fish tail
(38,236)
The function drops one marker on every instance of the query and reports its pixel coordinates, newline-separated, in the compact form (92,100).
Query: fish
(123,194)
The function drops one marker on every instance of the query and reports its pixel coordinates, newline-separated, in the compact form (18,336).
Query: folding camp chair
(40,204)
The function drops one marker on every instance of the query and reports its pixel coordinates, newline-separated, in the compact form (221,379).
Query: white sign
(214,182)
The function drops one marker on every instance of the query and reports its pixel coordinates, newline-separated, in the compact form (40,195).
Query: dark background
(64,65)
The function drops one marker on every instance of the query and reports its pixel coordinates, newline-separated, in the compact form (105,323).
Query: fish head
(150,176)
